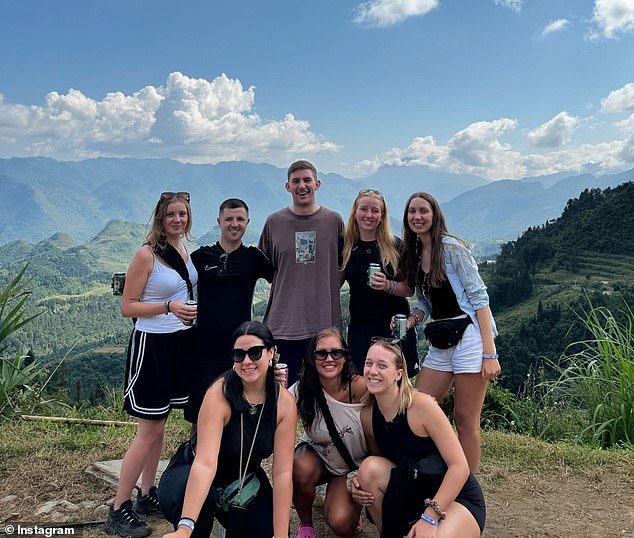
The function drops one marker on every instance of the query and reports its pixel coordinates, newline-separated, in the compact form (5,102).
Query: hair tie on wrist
(489,356)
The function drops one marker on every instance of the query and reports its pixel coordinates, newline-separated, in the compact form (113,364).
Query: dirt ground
(520,504)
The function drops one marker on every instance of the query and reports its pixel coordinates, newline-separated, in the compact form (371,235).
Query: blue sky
(497,88)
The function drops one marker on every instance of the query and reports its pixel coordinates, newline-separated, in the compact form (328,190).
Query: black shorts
(156,373)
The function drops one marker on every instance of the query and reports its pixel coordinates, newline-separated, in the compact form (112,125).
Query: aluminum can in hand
(193,321)
(400,326)
(284,368)
(372,268)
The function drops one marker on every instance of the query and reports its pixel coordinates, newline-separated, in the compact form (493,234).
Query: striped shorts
(156,373)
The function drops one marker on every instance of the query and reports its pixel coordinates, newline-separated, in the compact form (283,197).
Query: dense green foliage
(20,375)
(538,282)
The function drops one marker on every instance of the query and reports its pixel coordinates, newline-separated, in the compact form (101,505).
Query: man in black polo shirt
(227,273)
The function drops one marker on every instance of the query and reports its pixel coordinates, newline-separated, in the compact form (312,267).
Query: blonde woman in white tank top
(154,294)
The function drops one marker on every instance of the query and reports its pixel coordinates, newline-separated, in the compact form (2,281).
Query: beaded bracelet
(431,520)
(436,507)
(489,356)
(416,320)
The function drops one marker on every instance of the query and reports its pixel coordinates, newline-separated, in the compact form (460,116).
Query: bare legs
(341,513)
(470,390)
(374,476)
(141,458)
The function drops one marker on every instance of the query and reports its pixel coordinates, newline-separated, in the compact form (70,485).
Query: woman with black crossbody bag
(441,270)
(329,404)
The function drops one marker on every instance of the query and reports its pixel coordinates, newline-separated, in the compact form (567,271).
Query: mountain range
(42,196)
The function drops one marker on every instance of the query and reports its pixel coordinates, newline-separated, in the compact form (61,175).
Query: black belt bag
(446,333)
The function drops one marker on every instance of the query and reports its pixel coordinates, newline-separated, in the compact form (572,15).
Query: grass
(43,461)
(600,377)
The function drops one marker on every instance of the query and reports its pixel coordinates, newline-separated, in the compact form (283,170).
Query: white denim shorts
(464,358)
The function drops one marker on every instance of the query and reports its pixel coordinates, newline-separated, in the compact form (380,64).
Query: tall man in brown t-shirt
(304,243)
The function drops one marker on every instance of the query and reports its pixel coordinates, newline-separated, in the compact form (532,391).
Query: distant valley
(42,196)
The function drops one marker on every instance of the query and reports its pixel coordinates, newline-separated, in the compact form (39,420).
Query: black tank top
(444,303)
(229,454)
(396,439)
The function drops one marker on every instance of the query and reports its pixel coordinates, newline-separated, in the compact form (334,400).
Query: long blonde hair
(405,387)
(156,238)
(384,238)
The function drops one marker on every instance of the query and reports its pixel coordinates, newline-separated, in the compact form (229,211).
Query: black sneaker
(148,504)
(126,522)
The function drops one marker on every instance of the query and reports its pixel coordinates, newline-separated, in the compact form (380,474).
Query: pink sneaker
(305,531)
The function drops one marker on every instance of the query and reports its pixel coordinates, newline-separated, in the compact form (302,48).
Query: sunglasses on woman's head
(391,341)
(336,354)
(182,195)
(254,353)
(367,192)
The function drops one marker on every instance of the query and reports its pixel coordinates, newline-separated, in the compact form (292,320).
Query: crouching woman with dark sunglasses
(245,417)
(328,397)
(417,482)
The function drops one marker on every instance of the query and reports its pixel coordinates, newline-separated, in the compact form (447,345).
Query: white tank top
(165,284)
(347,419)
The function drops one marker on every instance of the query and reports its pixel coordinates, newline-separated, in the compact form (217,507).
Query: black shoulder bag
(176,262)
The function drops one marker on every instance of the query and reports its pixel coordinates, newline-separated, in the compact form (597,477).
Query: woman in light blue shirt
(441,270)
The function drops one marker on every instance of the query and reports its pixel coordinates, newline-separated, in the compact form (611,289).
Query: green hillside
(545,280)
(538,286)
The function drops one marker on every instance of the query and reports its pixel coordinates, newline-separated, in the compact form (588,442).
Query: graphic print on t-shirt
(305,247)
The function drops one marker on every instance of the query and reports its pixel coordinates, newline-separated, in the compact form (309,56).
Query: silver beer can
(193,321)
(373,268)
(284,368)
(400,326)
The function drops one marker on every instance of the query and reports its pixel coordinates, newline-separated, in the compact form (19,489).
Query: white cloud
(555,26)
(612,17)
(555,132)
(474,150)
(478,149)
(514,5)
(193,120)
(383,13)
(621,100)
(627,125)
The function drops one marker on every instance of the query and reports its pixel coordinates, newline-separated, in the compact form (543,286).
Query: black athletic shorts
(156,373)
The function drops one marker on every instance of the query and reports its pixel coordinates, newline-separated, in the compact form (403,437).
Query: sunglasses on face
(254,353)
(168,195)
(336,354)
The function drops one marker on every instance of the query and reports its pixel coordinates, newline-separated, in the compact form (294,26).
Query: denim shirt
(462,272)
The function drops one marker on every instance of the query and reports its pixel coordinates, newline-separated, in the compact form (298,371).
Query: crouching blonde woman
(417,481)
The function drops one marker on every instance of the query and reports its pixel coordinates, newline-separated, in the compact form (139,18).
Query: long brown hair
(412,247)
(156,237)
(309,388)
(384,238)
